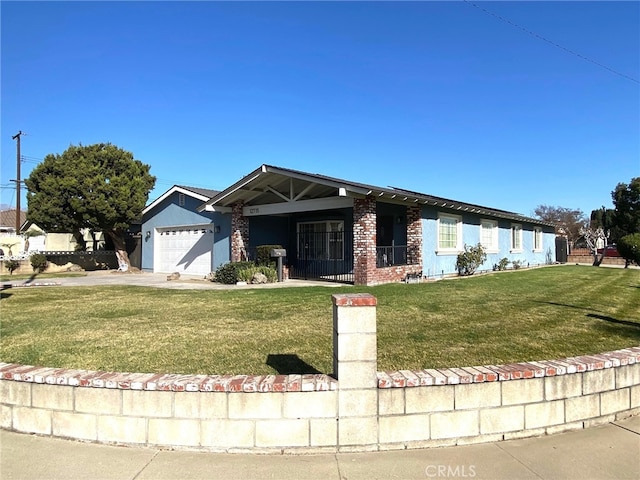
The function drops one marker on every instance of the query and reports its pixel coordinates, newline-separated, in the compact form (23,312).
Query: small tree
(9,247)
(595,239)
(568,221)
(629,248)
(12,265)
(38,262)
(469,260)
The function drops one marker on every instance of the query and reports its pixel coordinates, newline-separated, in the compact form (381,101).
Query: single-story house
(176,237)
(32,238)
(11,243)
(334,229)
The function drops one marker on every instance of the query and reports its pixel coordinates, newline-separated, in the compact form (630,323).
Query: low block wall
(588,259)
(493,403)
(359,410)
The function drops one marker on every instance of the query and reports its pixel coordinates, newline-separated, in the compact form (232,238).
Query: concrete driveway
(158,280)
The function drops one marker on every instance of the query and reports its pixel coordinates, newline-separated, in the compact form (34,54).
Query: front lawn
(499,318)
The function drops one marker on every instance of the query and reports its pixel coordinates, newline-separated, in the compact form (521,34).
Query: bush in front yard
(502,264)
(228,273)
(263,254)
(38,262)
(248,274)
(469,260)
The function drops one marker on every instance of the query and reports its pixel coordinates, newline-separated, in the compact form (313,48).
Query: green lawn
(499,318)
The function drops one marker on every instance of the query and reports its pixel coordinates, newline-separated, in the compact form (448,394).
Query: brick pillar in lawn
(364,240)
(239,233)
(414,235)
(355,365)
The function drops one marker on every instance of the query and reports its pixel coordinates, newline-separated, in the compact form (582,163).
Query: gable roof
(202,194)
(269,184)
(8,218)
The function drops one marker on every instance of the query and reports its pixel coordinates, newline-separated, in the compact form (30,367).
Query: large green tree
(626,202)
(100,187)
(568,221)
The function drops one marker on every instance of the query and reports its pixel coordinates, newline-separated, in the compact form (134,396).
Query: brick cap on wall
(168,382)
(515,371)
(354,300)
(315,382)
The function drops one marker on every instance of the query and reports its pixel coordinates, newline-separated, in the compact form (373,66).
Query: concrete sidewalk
(610,451)
(158,280)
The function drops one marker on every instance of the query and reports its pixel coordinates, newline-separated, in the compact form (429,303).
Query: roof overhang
(285,191)
(271,190)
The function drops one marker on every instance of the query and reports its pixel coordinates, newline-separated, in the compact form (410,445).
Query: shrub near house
(468,261)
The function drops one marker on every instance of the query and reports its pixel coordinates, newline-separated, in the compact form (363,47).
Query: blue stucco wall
(268,231)
(436,265)
(169,213)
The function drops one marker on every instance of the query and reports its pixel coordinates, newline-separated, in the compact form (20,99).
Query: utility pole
(17,180)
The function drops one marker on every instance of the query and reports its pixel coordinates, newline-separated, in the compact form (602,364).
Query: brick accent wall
(364,246)
(414,235)
(239,233)
(364,240)
(588,260)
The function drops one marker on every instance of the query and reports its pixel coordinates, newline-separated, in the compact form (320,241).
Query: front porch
(332,230)
(367,244)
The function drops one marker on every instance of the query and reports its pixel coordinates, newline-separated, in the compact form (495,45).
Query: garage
(187,250)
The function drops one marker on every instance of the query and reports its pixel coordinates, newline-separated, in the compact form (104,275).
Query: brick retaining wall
(588,259)
(361,410)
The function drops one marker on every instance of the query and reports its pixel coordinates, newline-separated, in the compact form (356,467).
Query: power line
(159,181)
(550,42)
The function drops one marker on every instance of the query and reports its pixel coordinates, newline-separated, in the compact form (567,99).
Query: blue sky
(540,106)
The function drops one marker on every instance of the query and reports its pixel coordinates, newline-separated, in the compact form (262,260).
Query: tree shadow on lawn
(289,363)
(630,328)
(614,320)
(3,294)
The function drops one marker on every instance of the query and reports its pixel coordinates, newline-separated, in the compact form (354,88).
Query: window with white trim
(537,239)
(321,240)
(449,233)
(516,237)
(489,235)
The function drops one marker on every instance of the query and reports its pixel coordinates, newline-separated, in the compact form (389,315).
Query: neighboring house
(340,230)
(176,237)
(8,221)
(32,238)
(10,240)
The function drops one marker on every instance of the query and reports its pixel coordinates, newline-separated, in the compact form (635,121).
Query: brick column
(414,235)
(239,233)
(364,240)
(355,365)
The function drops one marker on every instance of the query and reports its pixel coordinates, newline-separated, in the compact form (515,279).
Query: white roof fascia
(171,191)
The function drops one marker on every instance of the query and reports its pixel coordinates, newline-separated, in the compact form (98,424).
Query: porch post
(414,235)
(364,240)
(239,233)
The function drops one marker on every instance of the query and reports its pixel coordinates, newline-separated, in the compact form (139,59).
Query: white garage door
(186,250)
